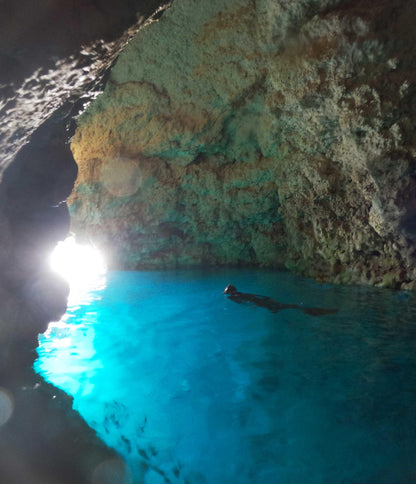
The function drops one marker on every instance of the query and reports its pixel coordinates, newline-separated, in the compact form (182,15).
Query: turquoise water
(190,387)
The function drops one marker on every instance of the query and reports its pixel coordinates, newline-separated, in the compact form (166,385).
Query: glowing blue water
(192,388)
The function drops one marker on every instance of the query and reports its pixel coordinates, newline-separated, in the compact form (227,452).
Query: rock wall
(53,61)
(262,132)
(53,56)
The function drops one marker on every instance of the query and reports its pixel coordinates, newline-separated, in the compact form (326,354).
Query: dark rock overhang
(54,57)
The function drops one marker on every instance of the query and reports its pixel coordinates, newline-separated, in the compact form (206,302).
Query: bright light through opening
(81,265)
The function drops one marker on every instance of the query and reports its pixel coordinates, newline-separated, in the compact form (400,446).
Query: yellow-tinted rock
(270,133)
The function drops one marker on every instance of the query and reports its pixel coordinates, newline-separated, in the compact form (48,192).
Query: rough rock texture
(258,131)
(53,56)
(53,59)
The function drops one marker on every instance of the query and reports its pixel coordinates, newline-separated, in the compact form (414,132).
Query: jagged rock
(53,55)
(53,58)
(269,133)
(47,76)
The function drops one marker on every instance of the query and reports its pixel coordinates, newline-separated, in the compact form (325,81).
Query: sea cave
(207,242)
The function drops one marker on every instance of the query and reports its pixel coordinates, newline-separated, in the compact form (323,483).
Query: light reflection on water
(191,387)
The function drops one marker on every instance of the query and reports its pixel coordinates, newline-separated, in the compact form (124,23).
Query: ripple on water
(191,387)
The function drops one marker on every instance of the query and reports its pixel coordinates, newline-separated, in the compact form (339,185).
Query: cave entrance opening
(82,265)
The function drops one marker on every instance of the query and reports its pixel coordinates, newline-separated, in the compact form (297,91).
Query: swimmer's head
(230,289)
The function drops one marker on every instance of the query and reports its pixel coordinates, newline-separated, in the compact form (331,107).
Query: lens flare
(6,406)
(83,266)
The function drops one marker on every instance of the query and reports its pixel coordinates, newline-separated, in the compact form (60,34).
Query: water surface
(193,388)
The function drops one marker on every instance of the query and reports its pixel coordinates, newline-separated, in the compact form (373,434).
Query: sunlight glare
(81,265)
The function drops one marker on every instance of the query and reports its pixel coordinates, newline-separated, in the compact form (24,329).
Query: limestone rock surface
(53,60)
(53,56)
(268,132)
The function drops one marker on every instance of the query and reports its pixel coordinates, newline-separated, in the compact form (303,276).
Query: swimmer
(266,302)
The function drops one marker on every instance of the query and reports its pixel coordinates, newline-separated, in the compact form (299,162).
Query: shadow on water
(191,388)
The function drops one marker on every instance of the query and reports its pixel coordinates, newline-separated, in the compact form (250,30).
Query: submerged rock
(266,133)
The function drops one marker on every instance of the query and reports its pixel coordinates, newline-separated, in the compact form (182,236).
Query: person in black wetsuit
(267,302)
